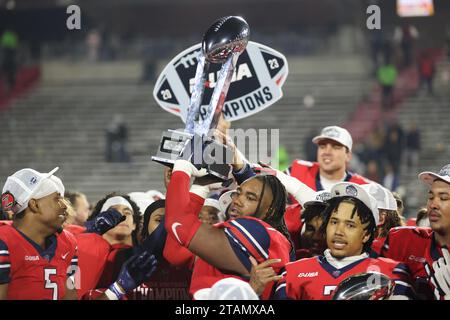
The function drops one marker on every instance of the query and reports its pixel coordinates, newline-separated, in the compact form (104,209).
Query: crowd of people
(301,234)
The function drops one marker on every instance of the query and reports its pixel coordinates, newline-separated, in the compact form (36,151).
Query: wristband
(114,292)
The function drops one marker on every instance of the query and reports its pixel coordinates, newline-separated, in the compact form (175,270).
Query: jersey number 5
(49,284)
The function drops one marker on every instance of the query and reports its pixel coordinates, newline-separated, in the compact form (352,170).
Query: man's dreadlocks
(275,213)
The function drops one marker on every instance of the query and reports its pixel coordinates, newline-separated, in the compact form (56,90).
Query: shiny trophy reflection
(222,44)
(365,286)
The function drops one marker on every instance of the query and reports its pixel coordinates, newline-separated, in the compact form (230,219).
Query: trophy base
(203,152)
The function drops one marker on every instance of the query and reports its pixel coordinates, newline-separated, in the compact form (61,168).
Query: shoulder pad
(305,163)
(411,230)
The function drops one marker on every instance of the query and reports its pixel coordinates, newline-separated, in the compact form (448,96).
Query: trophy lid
(365,286)
(225,36)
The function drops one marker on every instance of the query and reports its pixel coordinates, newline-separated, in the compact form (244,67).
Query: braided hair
(275,214)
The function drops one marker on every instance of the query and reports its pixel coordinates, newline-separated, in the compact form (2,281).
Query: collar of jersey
(337,272)
(50,243)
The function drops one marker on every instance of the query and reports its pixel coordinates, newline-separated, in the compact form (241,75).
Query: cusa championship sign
(256,84)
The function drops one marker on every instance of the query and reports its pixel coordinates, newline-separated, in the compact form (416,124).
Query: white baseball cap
(337,134)
(349,189)
(225,200)
(155,195)
(210,202)
(227,289)
(141,199)
(319,197)
(429,177)
(26,184)
(385,198)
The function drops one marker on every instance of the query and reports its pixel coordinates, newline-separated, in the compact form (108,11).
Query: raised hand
(104,221)
(137,269)
(261,274)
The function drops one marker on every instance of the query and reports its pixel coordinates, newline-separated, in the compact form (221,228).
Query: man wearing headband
(419,247)
(350,223)
(36,256)
(97,248)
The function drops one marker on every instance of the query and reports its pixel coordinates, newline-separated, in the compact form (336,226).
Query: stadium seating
(63,121)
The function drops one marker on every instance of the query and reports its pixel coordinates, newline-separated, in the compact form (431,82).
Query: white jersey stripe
(257,245)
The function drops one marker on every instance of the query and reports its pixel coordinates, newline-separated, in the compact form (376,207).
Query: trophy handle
(198,91)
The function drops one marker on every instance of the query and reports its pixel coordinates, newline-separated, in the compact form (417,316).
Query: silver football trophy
(365,286)
(222,44)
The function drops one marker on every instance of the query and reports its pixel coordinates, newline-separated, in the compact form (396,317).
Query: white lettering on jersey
(31,258)
(417,259)
(308,274)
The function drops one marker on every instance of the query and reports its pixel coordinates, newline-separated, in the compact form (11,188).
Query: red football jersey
(308,173)
(31,272)
(247,236)
(417,248)
(292,217)
(93,251)
(118,254)
(74,229)
(376,247)
(316,279)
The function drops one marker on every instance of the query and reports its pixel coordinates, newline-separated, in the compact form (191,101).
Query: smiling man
(350,223)
(419,247)
(37,257)
(334,153)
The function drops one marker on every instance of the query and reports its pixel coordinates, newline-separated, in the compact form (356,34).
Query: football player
(424,250)
(350,224)
(334,153)
(225,249)
(38,259)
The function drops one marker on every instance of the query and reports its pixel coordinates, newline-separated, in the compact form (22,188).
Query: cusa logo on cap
(351,191)
(323,196)
(331,132)
(8,201)
(445,171)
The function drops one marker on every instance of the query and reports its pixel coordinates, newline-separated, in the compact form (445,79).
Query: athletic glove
(104,222)
(137,269)
(189,168)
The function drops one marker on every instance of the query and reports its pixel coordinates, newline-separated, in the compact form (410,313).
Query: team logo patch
(324,196)
(8,201)
(445,171)
(336,273)
(33,180)
(351,191)
(331,132)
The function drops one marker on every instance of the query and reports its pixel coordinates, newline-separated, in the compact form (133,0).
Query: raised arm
(209,243)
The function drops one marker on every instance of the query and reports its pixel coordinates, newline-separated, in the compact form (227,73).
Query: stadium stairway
(62,122)
(431,114)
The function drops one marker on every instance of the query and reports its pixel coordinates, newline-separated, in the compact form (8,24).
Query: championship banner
(256,83)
